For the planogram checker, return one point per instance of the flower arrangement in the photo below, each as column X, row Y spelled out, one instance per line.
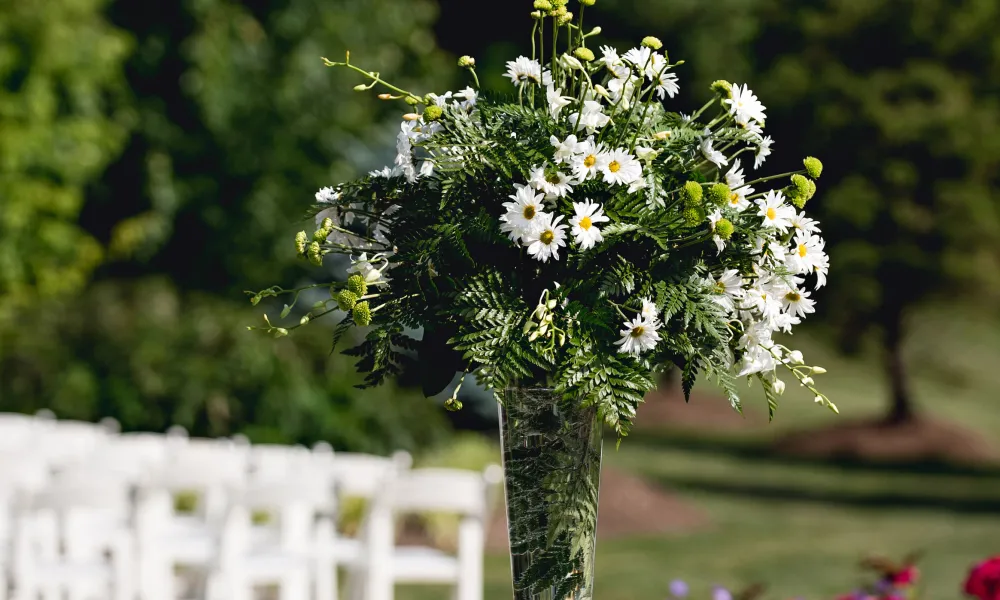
column 572, row 231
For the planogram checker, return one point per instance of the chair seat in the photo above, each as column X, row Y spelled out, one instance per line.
column 419, row 564
column 189, row 545
column 271, row 565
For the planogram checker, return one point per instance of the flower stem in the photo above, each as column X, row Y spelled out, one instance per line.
column 371, row 75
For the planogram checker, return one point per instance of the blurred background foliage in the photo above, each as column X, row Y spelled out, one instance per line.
column 156, row 159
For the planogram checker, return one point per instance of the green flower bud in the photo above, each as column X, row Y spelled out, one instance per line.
column 652, row 42
column 723, row 88
column 360, row 87
column 466, row 62
column 433, row 112
column 346, row 300
column 813, row 166
column 320, row 235
column 564, row 18
column 536, row 14
column 453, row 404
column 327, row 223
column 559, row 3
column 693, row 215
column 357, row 285
column 718, row 194
column 301, row 239
column 587, row 2
column 543, row 5
column 315, row 254
column 412, row 101
column 812, row 190
column 801, row 184
column 362, row 314
column 584, row 54
column 797, row 200
column 693, row 192
column 724, row 228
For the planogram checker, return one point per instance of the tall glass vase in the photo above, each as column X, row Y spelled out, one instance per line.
column 552, row 474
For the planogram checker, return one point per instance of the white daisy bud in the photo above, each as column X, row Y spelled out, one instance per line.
column 411, row 117
column 795, row 357
column 779, row 387
column 807, row 381
column 819, row 370
column 818, row 399
column 533, row 336
column 571, row 62
column 551, row 303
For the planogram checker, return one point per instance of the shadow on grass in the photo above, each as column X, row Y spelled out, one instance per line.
column 758, row 449
column 880, row 499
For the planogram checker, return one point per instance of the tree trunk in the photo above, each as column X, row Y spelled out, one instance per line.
column 902, row 402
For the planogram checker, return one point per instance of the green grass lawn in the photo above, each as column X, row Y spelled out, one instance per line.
column 800, row 526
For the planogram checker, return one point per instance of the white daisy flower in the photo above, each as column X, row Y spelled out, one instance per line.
column 765, row 300
column 714, row 218
column 797, row 302
column 744, row 105
column 755, row 130
column 613, row 62
column 774, row 211
column 638, row 336
column 524, row 214
column 638, row 184
column 554, row 184
column 469, row 98
column 727, row 289
column 386, row 172
column 657, row 72
column 710, row 153
column 763, row 151
column 821, row 269
column 585, row 231
column 586, row 164
column 807, row 252
column 566, row 149
column 620, row 167
column 591, row 117
column 426, row 168
column 738, row 192
column 649, row 311
column 556, row 100
column 623, row 90
column 366, row 268
column 804, row 224
column 327, row 195
column 524, row 70
column 544, row 242
column 640, row 58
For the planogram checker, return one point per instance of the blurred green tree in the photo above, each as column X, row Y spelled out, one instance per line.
column 64, row 115
column 236, row 124
column 900, row 100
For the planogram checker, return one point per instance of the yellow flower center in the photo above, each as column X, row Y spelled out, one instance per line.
column 585, row 223
column 771, row 214
column 734, row 198
column 802, row 250
column 614, row 167
column 590, row 161
column 547, row 237
column 529, row 212
column 793, row 296
column 720, row 288
column 638, row 331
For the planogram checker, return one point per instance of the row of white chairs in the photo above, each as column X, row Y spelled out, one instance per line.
column 87, row 513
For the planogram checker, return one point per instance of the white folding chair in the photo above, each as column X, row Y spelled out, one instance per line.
column 291, row 553
column 209, row 471
column 71, row 541
column 16, row 431
column 21, row 476
column 464, row 493
column 65, row 443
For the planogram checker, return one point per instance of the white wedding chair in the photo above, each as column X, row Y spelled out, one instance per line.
column 207, row 471
column 16, row 431
column 71, row 541
column 465, row 493
column 288, row 550
column 66, row 443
